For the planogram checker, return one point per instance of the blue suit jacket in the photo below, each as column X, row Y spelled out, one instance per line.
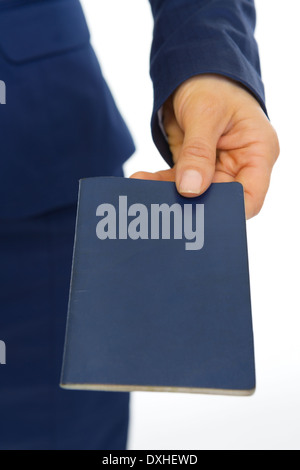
column 60, row 122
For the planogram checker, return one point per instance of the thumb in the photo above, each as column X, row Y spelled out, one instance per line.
column 196, row 162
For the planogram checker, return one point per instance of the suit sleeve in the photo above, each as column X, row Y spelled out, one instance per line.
column 192, row 37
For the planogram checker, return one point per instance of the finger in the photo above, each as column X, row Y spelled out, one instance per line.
column 256, row 181
column 163, row 175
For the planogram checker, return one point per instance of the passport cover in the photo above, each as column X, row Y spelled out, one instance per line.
column 150, row 308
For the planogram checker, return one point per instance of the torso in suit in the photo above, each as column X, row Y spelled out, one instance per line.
column 60, row 124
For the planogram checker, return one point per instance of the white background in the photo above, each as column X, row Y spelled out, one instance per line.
column 121, row 35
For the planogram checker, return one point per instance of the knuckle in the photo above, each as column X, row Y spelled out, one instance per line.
column 199, row 151
column 256, row 209
column 276, row 145
column 271, row 143
column 254, row 203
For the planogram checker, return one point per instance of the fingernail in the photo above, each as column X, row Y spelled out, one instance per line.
column 191, row 182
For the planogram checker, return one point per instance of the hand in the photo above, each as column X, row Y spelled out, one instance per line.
column 217, row 132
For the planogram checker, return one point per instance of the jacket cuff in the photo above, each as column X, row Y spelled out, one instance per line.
column 176, row 65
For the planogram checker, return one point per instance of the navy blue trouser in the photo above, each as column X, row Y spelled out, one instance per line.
column 35, row 264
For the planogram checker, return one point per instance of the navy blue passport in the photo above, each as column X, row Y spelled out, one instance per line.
column 160, row 296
